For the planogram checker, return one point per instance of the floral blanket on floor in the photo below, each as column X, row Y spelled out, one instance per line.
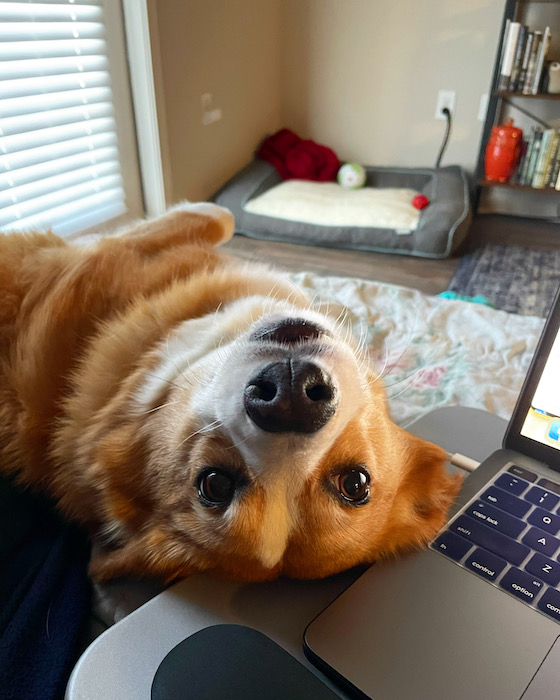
column 433, row 352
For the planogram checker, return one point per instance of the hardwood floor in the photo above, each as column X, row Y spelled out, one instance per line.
column 428, row 276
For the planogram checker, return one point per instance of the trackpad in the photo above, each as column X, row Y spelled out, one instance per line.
column 546, row 681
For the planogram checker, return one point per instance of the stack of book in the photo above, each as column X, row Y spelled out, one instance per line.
column 539, row 166
column 523, row 58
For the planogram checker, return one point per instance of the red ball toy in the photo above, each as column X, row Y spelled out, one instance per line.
column 420, row 201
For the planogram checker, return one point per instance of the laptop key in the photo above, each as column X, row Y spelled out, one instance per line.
column 506, row 501
column 549, row 603
column 495, row 542
column 541, row 497
column 541, row 541
column 544, row 568
column 497, row 519
column 521, row 584
column 485, row 564
column 545, row 520
column 511, row 484
column 522, row 472
column 549, row 485
column 452, row 545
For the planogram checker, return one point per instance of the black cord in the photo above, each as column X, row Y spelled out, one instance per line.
column 446, row 137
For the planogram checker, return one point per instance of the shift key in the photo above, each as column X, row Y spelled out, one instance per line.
column 493, row 541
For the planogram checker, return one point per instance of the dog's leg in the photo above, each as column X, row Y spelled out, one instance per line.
column 201, row 222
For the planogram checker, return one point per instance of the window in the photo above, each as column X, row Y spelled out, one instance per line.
column 67, row 143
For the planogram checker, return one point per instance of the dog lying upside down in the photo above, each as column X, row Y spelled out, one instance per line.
column 195, row 413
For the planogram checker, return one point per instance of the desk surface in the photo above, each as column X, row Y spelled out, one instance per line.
column 121, row 663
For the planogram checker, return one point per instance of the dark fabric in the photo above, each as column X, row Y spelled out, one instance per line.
column 296, row 158
column 44, row 596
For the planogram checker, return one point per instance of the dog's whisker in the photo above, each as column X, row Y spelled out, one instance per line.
column 205, row 429
column 237, row 444
column 408, row 341
column 406, row 388
column 163, row 379
column 418, row 369
column 179, row 370
column 163, row 405
column 381, row 373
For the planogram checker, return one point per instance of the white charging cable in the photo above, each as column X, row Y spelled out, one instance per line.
column 459, row 460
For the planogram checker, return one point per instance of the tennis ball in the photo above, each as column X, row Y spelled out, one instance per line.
column 352, row 176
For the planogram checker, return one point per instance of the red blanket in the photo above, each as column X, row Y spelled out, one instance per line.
column 296, row 158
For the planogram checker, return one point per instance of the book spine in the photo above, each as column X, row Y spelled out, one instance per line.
column 543, row 51
column 534, row 157
column 555, row 167
column 503, row 49
column 518, row 58
column 509, row 55
column 525, row 63
column 531, row 67
column 519, row 170
column 528, row 156
column 557, row 186
column 551, row 159
column 540, row 165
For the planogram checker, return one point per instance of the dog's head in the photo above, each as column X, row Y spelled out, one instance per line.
column 259, row 443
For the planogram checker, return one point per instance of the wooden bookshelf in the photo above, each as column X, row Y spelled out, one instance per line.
column 512, row 186
column 535, row 109
column 539, row 96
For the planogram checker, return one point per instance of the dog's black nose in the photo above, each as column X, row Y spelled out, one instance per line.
column 291, row 396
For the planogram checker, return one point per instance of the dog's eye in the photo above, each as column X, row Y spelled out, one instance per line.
column 216, row 487
column 353, row 485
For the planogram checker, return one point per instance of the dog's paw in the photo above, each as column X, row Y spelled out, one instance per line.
column 216, row 212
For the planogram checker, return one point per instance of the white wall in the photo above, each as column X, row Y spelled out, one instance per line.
column 231, row 49
column 363, row 75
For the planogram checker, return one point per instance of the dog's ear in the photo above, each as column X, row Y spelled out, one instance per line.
column 118, row 474
column 149, row 555
column 426, row 492
column 138, row 546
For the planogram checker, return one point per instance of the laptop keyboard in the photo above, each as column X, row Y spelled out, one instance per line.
column 510, row 535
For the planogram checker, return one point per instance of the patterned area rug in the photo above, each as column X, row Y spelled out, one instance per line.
column 515, row 279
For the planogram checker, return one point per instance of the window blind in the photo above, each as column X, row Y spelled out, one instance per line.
column 59, row 154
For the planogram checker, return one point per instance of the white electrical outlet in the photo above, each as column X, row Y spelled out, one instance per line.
column 445, row 98
column 211, row 116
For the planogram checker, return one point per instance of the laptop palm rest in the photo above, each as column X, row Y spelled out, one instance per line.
column 425, row 629
column 546, row 682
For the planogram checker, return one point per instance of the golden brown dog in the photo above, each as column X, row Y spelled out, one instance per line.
column 195, row 413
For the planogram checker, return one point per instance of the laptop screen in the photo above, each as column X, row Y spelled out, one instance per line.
column 534, row 428
column 542, row 422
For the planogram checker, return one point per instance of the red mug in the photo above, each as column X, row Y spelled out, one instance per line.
column 503, row 152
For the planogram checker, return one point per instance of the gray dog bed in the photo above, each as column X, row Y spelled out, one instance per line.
column 442, row 226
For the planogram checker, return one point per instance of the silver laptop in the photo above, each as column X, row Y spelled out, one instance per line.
column 477, row 615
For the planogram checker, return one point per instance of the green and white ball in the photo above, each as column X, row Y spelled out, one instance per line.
column 352, row 176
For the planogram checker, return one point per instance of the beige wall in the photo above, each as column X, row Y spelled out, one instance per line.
column 361, row 76
column 231, row 49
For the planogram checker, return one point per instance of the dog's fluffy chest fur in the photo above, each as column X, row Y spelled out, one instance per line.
column 196, row 413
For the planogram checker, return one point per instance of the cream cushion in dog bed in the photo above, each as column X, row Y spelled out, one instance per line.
column 329, row 204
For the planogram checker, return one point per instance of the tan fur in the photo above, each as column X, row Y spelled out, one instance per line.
column 88, row 415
